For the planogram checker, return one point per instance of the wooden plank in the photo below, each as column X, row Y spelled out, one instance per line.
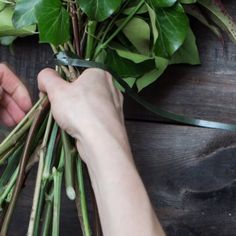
column 189, row 174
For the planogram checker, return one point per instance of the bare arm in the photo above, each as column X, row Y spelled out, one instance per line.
column 90, row 109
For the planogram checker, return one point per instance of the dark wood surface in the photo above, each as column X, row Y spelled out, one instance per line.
column 189, row 172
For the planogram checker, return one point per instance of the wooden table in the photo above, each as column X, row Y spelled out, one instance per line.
column 189, row 172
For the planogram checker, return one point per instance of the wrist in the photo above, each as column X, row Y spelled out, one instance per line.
column 101, row 147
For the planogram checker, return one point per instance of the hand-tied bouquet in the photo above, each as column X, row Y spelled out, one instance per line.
column 138, row 39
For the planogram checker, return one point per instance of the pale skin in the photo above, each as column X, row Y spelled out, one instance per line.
column 91, row 110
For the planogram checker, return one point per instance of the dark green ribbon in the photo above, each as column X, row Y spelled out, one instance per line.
column 66, row 59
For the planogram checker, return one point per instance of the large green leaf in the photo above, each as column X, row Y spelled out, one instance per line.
column 153, row 21
column 53, row 22
column 173, row 28
column 163, row 3
column 99, row 10
column 7, row 28
column 188, row 52
column 138, row 32
column 134, row 57
column 151, row 76
column 127, row 68
column 24, row 13
column 130, row 81
column 220, row 16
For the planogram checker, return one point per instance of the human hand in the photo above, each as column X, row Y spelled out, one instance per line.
column 87, row 107
column 14, row 97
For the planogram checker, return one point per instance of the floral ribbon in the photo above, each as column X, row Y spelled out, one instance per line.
column 65, row 58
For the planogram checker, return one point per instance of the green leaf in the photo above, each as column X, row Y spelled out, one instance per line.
column 188, row 53
column 220, row 16
column 53, row 22
column 152, row 75
column 138, row 32
column 7, row 40
column 173, row 28
column 153, row 20
column 134, row 57
column 126, row 68
column 99, row 10
column 24, row 13
column 163, row 3
column 7, row 28
column 130, row 81
column 194, row 11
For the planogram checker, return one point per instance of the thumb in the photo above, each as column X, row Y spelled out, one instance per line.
column 49, row 81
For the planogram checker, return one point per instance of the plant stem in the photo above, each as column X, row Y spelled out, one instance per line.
column 83, row 205
column 121, row 27
column 71, row 47
column 4, row 158
column 11, row 166
column 75, row 27
column 91, row 29
column 69, row 160
column 49, row 155
column 21, row 128
column 9, row 186
column 48, row 213
column 39, row 176
column 23, row 163
column 57, row 181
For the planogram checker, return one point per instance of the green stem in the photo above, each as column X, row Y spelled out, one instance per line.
column 49, row 155
column 91, row 29
column 82, row 197
column 23, row 163
column 48, row 214
column 34, row 217
column 121, row 27
column 57, row 180
column 69, row 164
column 8, row 154
column 9, row 186
column 21, row 128
column 11, row 166
column 71, row 46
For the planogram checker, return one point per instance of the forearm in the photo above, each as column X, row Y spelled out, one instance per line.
column 123, row 203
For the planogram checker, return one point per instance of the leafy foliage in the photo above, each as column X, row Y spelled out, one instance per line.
column 99, row 10
column 127, row 32
column 24, row 13
column 53, row 22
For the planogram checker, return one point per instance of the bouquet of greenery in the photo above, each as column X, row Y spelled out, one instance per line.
column 136, row 39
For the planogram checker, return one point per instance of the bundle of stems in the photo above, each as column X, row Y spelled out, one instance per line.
column 37, row 138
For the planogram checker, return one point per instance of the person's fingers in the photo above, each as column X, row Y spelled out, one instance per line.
column 6, row 118
column 50, row 82
column 12, row 108
column 11, row 84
